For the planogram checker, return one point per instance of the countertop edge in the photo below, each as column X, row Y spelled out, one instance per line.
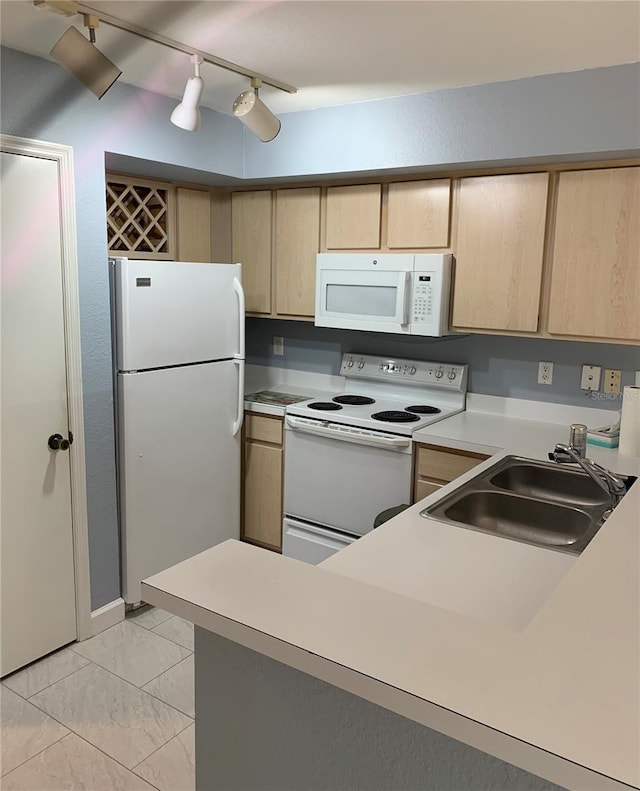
column 503, row 746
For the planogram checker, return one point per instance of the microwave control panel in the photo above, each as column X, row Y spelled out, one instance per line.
column 422, row 299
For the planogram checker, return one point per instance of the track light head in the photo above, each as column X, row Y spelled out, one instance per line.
column 84, row 61
column 255, row 114
column 187, row 113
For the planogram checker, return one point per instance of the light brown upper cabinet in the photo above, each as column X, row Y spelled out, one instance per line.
column 193, row 225
column 251, row 246
column 499, row 250
column 418, row 214
column 595, row 275
column 353, row 217
column 297, row 243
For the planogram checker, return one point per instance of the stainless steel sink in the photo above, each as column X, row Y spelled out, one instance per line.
column 533, row 521
column 530, row 501
column 549, row 482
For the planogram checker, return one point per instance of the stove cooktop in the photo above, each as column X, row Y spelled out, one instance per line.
column 391, row 396
column 396, row 416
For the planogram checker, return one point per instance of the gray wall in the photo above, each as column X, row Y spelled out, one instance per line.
column 262, row 726
column 582, row 115
column 585, row 113
column 502, row 366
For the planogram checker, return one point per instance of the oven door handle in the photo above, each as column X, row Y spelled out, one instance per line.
column 343, row 434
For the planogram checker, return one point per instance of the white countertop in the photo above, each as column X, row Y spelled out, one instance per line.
column 531, row 655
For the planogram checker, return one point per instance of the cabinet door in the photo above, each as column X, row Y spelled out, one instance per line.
column 353, row 217
column 595, row 275
column 418, row 214
column 251, row 246
column 435, row 466
column 297, row 243
column 499, row 249
column 263, row 494
column 194, row 225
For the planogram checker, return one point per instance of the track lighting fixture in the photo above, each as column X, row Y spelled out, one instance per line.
column 255, row 114
column 83, row 60
column 187, row 113
column 86, row 63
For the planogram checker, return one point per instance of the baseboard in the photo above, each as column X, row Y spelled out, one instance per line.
column 107, row 616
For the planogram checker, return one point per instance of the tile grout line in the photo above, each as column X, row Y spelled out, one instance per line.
column 150, row 628
column 172, row 706
column 193, row 722
column 109, row 670
column 35, row 755
column 32, row 664
column 171, row 638
column 71, row 730
column 184, row 658
column 62, row 678
column 95, row 747
column 115, row 760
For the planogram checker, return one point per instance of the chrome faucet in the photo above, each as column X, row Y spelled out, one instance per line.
column 615, row 486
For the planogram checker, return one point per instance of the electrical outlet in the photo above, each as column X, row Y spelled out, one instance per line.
column 545, row 373
column 278, row 345
column 612, row 379
column 590, row 377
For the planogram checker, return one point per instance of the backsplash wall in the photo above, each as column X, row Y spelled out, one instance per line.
column 498, row 365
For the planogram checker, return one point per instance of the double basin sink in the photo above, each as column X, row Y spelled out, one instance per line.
column 531, row 501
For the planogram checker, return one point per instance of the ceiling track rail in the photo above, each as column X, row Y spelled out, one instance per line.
column 72, row 8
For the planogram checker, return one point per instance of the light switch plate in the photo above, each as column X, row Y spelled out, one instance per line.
column 590, row 377
column 612, row 380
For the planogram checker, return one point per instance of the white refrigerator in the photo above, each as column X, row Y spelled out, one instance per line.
column 179, row 342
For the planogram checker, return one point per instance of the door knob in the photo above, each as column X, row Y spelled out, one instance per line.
column 58, row 442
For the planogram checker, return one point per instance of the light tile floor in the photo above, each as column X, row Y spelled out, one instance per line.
column 114, row 713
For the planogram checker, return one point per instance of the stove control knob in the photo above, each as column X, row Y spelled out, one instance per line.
column 451, row 375
column 349, row 363
column 412, row 370
column 439, row 373
column 361, row 364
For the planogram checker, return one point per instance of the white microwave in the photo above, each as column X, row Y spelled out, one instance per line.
column 405, row 293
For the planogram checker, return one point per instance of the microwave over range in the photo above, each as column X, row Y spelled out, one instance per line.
column 404, row 293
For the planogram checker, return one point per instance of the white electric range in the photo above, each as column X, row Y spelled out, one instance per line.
column 348, row 458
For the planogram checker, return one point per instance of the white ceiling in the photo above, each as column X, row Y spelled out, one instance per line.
column 343, row 51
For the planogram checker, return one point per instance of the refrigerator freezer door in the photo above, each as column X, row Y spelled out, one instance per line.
column 179, row 466
column 171, row 313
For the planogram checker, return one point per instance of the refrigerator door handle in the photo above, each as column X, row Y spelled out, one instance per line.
column 237, row 423
column 237, row 287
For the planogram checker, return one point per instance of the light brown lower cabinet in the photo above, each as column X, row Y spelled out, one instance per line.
column 262, row 481
column 434, row 466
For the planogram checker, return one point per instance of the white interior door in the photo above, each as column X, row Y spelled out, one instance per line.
column 36, row 544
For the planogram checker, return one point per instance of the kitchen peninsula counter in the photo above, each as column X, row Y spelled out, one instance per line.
column 549, row 683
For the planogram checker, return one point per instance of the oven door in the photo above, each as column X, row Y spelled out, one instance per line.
column 342, row 478
column 359, row 299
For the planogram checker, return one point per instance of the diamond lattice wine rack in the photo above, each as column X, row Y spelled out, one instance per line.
column 139, row 218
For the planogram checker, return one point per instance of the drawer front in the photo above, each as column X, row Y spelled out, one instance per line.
column 263, row 429
column 425, row 488
column 441, row 465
